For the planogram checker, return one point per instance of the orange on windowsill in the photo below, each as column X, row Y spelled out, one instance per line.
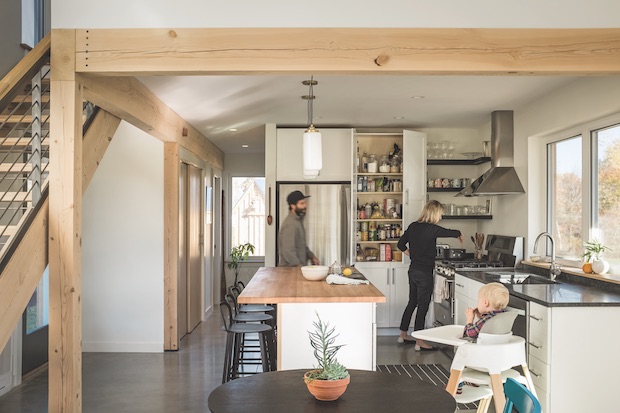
column 587, row 268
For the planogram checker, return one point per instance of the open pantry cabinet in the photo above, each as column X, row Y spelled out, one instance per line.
column 388, row 193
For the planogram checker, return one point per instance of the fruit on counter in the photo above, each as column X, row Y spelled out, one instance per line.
column 346, row 272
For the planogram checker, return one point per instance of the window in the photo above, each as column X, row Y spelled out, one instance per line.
column 248, row 213
column 584, row 189
column 565, row 196
column 606, row 190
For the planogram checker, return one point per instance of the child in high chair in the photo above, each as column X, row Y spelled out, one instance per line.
column 492, row 300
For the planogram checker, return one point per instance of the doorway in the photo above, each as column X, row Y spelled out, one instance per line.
column 191, row 235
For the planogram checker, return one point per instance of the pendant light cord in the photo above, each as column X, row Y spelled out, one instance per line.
column 310, row 100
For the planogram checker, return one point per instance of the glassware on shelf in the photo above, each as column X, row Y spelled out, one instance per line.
column 384, row 164
column 373, row 166
column 396, row 163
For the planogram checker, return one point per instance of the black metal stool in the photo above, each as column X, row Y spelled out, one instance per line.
column 235, row 334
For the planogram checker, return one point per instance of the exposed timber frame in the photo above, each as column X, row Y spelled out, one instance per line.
column 106, row 57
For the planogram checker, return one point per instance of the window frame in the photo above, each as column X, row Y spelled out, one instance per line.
column 252, row 258
column 589, row 160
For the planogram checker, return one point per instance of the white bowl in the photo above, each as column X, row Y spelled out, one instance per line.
column 315, row 272
column 534, row 258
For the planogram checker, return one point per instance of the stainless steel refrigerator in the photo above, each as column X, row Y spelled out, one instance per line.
column 327, row 221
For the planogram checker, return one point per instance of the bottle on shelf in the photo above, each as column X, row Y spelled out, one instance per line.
column 364, row 163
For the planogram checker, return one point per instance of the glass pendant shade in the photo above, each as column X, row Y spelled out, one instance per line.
column 312, row 152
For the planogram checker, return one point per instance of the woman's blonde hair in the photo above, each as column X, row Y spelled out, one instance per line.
column 432, row 212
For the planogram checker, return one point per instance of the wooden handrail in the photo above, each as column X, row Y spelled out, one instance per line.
column 25, row 68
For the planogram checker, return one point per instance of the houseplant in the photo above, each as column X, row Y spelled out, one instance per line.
column 239, row 254
column 329, row 379
column 593, row 251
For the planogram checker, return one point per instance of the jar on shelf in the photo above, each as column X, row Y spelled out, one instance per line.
column 395, row 164
column 384, row 164
column 373, row 166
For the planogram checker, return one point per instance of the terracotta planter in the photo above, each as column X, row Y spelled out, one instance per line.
column 587, row 268
column 327, row 390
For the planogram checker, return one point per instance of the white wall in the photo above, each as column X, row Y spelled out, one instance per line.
column 123, row 246
column 327, row 13
column 587, row 99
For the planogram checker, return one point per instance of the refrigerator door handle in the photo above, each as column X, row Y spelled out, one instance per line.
column 387, row 273
column 393, row 277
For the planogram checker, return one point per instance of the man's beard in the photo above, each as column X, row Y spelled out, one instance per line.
column 300, row 212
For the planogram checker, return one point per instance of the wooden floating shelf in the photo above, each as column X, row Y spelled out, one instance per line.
column 476, row 161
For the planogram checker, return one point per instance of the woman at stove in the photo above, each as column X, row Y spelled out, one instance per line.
column 419, row 242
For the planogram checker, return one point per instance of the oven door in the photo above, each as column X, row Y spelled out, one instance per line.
column 444, row 309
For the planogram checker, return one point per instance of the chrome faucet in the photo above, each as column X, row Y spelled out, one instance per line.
column 554, row 269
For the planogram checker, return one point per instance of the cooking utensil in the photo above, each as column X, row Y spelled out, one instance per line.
column 269, row 217
column 454, row 253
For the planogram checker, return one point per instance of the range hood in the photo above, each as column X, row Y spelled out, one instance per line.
column 501, row 179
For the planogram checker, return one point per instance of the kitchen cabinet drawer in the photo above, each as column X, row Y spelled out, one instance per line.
column 540, row 372
column 543, row 398
column 539, row 341
column 461, row 285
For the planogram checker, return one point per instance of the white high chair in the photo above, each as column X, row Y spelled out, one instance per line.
column 496, row 359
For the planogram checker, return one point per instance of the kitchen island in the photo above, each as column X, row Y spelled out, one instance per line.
column 351, row 309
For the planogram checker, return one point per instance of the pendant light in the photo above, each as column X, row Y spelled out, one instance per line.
column 312, row 148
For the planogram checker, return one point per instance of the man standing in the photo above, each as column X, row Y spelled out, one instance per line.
column 292, row 240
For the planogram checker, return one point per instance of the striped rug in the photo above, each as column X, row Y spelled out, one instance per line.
column 432, row 373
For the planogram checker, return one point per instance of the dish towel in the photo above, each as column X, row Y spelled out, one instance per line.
column 339, row 279
column 441, row 289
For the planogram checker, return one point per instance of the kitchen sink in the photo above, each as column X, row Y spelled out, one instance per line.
column 522, row 278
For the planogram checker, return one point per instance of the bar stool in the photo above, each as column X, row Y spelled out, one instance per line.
column 254, row 342
column 250, row 308
column 235, row 334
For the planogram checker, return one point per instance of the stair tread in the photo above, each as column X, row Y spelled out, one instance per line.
column 19, row 167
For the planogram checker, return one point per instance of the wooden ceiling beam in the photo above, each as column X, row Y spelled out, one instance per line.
column 419, row 51
column 130, row 100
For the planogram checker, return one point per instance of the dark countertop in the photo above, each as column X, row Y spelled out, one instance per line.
column 566, row 293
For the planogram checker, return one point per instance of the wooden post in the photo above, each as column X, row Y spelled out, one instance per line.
column 171, row 245
column 65, row 229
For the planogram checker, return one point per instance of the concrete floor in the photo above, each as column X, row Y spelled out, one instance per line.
column 169, row 382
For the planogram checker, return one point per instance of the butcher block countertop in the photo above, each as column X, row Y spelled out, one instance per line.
column 286, row 285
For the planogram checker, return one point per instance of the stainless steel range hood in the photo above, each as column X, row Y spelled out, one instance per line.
column 501, row 179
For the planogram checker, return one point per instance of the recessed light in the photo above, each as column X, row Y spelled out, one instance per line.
column 417, row 97
column 399, row 117
column 245, row 146
column 232, row 130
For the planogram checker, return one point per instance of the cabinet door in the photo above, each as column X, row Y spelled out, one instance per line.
column 414, row 174
column 381, row 277
column 461, row 303
column 399, row 279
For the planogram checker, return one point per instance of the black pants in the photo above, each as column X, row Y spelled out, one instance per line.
column 420, row 291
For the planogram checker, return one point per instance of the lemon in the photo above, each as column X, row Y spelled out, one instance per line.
column 347, row 271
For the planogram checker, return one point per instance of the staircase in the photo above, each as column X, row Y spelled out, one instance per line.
column 24, row 171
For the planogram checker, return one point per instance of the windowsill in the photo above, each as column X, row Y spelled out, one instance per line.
column 576, row 271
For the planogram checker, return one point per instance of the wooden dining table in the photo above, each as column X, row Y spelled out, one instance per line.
column 369, row 391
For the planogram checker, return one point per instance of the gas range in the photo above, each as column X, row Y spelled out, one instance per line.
column 504, row 252
column 449, row 267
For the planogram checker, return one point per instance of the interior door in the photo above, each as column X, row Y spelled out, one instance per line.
column 194, row 248
column 182, row 281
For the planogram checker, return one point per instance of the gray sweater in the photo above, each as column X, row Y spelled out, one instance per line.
column 292, row 242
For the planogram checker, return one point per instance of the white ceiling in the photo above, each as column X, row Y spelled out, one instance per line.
column 214, row 104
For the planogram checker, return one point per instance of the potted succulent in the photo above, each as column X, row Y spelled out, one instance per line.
column 239, row 254
column 329, row 379
column 593, row 251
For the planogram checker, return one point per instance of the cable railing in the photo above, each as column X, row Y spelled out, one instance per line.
column 24, row 145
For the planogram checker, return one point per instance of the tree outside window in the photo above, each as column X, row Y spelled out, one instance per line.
column 248, row 213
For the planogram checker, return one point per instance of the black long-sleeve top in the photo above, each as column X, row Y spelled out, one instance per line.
column 421, row 238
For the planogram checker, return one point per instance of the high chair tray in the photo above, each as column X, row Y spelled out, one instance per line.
column 451, row 335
